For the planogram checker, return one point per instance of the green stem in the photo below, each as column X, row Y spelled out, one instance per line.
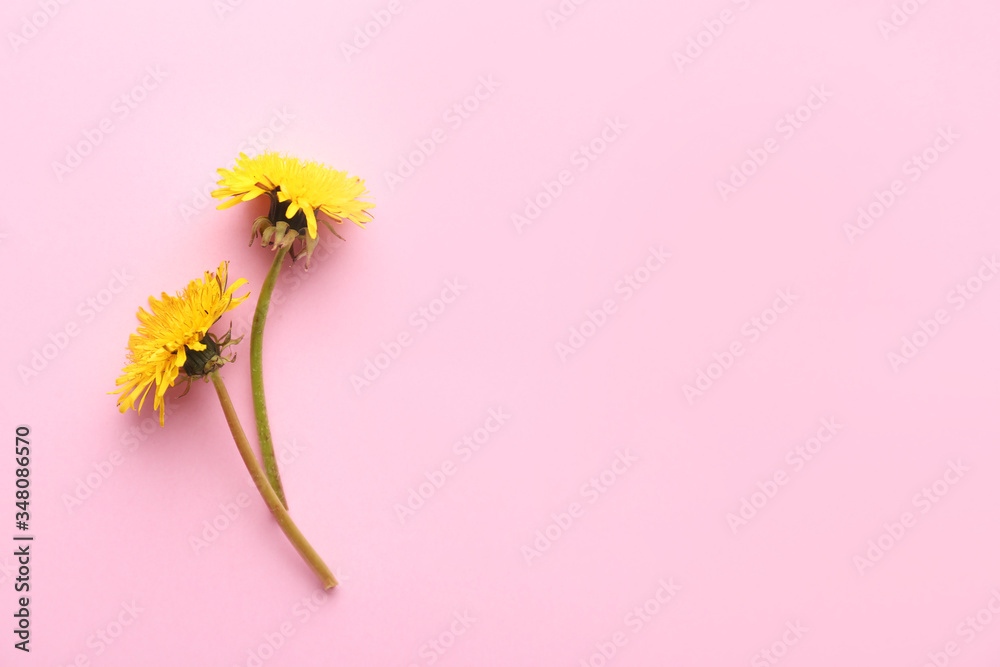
column 288, row 526
column 257, row 376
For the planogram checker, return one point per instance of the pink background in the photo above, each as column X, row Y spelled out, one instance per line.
column 117, row 501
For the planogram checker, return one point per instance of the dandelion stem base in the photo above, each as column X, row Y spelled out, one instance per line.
column 288, row 526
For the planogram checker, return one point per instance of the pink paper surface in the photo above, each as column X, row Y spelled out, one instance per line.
column 673, row 340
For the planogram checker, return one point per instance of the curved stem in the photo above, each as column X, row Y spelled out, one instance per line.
column 288, row 526
column 257, row 376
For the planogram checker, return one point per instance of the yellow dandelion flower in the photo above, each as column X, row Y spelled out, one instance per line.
column 298, row 189
column 173, row 337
